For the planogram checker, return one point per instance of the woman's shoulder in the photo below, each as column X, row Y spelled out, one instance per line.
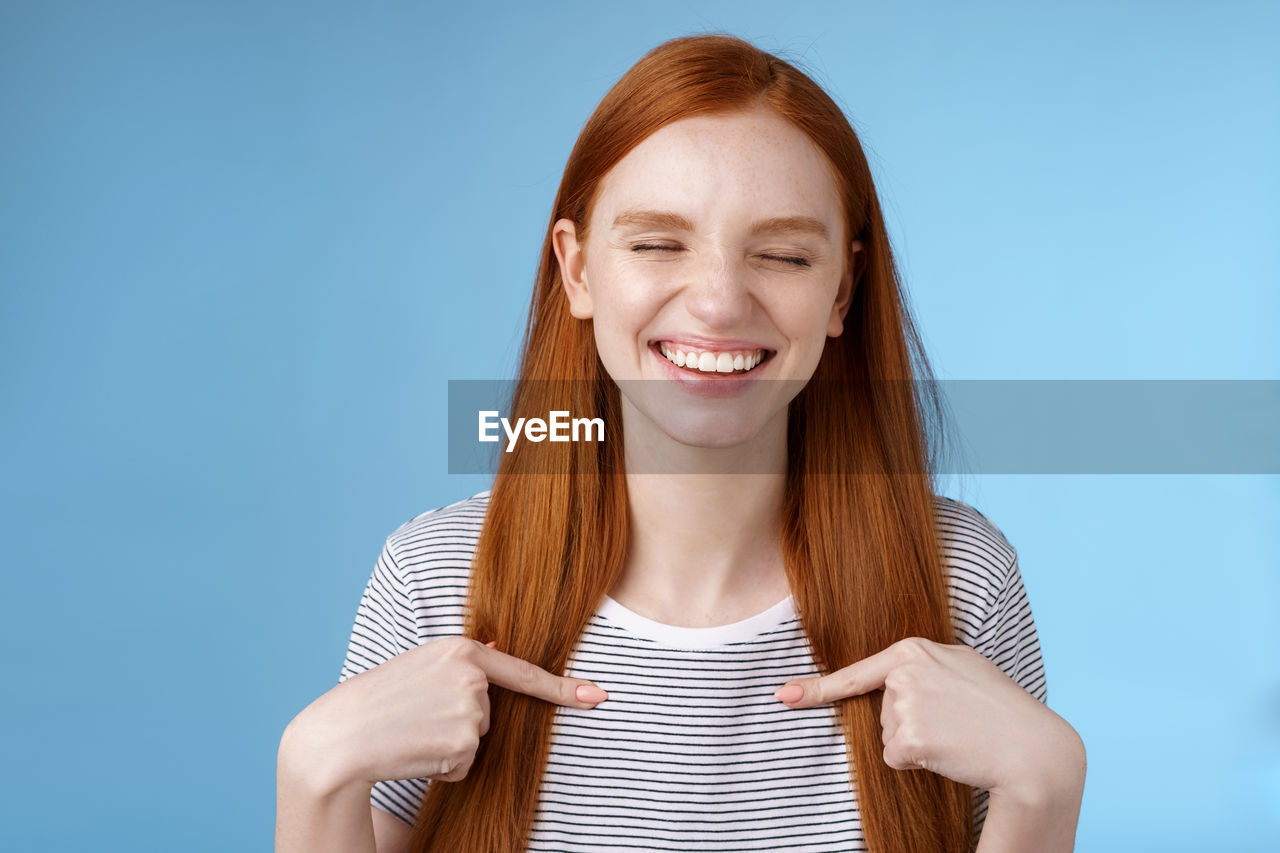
column 979, row 559
column 438, row 545
column 460, row 518
column 972, row 538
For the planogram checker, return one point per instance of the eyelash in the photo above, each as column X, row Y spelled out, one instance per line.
column 788, row 259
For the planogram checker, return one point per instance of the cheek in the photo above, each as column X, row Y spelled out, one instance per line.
column 622, row 308
column 805, row 322
column 627, row 300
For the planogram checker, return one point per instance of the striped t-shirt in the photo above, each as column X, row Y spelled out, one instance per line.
column 691, row 751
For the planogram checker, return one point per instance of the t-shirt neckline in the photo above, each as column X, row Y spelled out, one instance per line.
column 682, row 637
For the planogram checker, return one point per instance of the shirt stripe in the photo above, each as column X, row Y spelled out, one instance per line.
column 691, row 752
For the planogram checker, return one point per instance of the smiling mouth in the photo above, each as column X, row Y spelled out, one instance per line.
column 710, row 363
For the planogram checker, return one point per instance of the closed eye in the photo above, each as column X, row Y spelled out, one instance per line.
column 800, row 262
column 786, row 259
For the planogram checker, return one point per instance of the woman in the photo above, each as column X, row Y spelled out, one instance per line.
column 623, row 644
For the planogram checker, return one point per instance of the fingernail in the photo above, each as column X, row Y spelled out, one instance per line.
column 492, row 643
column 790, row 693
column 591, row 694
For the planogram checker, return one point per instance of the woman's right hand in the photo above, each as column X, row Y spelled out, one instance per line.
column 420, row 714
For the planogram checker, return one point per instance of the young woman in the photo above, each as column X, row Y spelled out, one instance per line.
column 745, row 621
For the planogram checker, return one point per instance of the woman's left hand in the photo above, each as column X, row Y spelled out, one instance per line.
column 949, row 709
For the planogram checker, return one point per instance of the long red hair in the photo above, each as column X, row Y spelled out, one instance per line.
column 858, row 535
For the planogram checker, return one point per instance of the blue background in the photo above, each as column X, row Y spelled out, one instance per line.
column 244, row 245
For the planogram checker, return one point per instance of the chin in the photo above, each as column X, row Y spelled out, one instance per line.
column 713, row 433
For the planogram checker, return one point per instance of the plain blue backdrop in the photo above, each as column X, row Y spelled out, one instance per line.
column 243, row 247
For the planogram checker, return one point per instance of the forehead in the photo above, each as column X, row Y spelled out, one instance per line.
column 753, row 163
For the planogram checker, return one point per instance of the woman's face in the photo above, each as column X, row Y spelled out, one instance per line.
column 712, row 271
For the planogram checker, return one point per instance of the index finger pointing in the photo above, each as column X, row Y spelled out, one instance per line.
column 853, row 680
column 524, row 677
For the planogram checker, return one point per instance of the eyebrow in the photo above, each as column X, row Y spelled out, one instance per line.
column 675, row 222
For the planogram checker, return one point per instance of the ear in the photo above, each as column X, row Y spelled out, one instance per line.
column 844, row 296
column 573, row 267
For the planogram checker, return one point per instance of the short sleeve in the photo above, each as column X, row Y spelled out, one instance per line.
column 1008, row 639
column 385, row 627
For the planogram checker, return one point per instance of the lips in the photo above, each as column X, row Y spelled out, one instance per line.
column 713, row 382
column 705, row 356
column 705, row 360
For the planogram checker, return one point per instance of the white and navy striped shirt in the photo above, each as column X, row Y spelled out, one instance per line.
column 692, row 751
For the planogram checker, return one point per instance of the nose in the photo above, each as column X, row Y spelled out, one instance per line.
column 718, row 293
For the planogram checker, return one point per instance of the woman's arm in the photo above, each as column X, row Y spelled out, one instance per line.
column 393, row 835
column 1040, row 816
column 950, row 710
column 421, row 714
column 315, row 814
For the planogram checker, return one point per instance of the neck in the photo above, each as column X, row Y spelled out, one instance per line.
column 703, row 547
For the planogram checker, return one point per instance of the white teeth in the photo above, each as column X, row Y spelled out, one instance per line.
column 712, row 362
